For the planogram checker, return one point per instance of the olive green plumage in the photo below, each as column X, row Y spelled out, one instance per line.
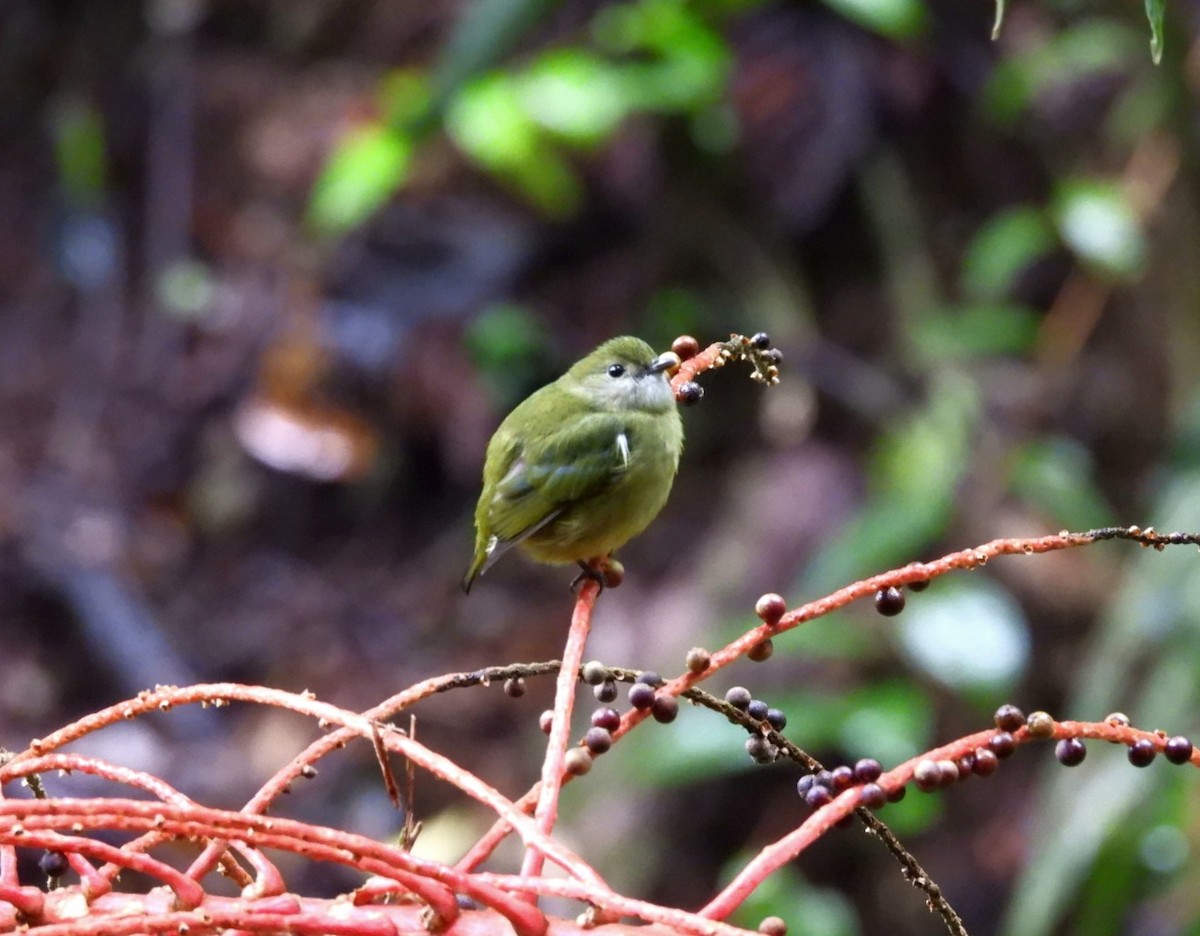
column 585, row 463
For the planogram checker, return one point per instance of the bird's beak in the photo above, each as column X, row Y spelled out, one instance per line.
column 668, row 361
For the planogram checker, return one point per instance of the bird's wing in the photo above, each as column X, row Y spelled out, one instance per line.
column 568, row 465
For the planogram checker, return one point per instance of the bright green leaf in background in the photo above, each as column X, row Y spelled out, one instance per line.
column 1058, row 476
column 892, row 19
column 969, row 635
column 1097, row 222
column 1155, row 10
column 1007, row 245
column 363, row 172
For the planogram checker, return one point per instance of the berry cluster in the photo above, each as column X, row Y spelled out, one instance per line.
column 758, row 746
column 817, row 789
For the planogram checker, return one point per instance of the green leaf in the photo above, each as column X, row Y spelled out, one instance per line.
column 364, row 171
column 969, row 636
column 80, row 150
column 975, row 330
column 1098, row 223
column 1154, row 12
column 1057, row 475
column 892, row 19
column 1004, row 248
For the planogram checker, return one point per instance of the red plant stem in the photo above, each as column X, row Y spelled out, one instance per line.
column 790, row 846
column 188, row 893
column 679, row 921
column 913, row 572
column 221, row 693
column 269, row 880
column 553, row 769
column 28, row 901
column 433, row 882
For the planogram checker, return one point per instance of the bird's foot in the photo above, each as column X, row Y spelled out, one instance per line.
column 605, row 571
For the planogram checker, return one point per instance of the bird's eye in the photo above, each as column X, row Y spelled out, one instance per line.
column 616, row 370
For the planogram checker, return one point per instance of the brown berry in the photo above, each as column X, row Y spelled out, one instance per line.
column 686, row 347
column 514, row 687
column 1070, row 751
column 697, row 660
column 545, row 720
column 889, row 601
column 1002, row 744
column 773, row 926
column 986, row 762
column 872, row 796
column 598, row 740
column 1009, row 718
column 927, row 775
column 665, row 709
column 1142, row 752
column 689, row 393
column 761, row 651
column 1178, row 750
column 770, row 607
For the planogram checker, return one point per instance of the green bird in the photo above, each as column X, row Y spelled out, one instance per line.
column 584, row 464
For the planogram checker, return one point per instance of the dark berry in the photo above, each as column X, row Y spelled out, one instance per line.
column 697, row 660
column 606, row 718
column 986, row 762
column 773, row 356
column 761, row 651
column 1040, row 725
column 761, row 340
column 894, row 796
column 918, row 586
column 949, row 772
column 598, row 740
column 927, row 775
column 757, row 709
column 577, row 762
column 771, row 608
column 1178, row 750
column 889, row 601
column 1002, row 744
column 761, row 750
column 665, row 709
column 1142, row 752
column 872, row 796
column 1009, row 718
column 965, row 765
column 776, row 719
column 689, row 393
column 773, row 926
column 641, row 696
column 818, row 796
column 53, row 864
column 739, row 697
column 514, row 688
column 594, row 673
column 867, row 770
column 686, row 347
column 1070, row 752
column 606, row 691
column 805, row 783
column 650, row 678
column 841, row 778
column 825, row 779
column 545, row 720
